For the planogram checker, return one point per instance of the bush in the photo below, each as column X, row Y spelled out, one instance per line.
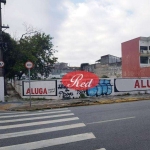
column 82, row 95
column 104, row 76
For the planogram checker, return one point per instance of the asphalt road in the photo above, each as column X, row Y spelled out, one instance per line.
column 122, row 126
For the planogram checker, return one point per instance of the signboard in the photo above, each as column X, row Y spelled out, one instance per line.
column 127, row 85
column 40, row 88
column 29, row 65
column 80, row 80
column 1, row 64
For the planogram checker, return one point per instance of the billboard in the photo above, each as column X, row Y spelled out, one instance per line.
column 40, row 88
column 129, row 84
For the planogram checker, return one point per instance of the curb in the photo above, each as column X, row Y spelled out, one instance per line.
column 73, row 104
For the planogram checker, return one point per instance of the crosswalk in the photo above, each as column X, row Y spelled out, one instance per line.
column 41, row 129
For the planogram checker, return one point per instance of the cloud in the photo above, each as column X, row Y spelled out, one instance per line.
column 83, row 30
column 95, row 28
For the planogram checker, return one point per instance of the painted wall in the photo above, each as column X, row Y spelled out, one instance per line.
column 131, row 59
column 2, row 89
column 54, row 89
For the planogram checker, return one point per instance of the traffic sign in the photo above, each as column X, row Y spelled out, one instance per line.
column 29, row 64
column 2, row 64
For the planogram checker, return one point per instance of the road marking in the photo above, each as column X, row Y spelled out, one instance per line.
column 38, row 131
column 37, row 123
column 101, row 149
column 50, row 142
column 111, row 120
column 35, row 118
column 35, row 114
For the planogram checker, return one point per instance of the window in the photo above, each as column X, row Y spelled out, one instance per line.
column 143, row 48
column 144, row 60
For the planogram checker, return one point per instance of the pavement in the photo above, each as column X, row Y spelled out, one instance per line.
column 13, row 102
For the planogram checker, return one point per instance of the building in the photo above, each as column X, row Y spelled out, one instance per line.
column 107, row 65
column 136, row 57
column 60, row 69
column 109, row 59
column 89, row 67
column 112, row 70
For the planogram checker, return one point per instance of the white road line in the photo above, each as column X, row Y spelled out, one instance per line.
column 37, row 123
column 38, row 131
column 28, row 112
column 101, row 149
column 50, row 142
column 111, row 120
column 35, row 114
column 35, row 118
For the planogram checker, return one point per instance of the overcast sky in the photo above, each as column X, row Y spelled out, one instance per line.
column 83, row 30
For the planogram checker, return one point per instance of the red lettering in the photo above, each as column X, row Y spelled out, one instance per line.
column 142, row 86
column 28, row 91
column 40, row 91
column 137, row 84
column 45, row 91
column 32, row 91
column 148, row 83
column 36, row 90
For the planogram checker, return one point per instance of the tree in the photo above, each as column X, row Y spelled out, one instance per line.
column 34, row 46
column 9, row 47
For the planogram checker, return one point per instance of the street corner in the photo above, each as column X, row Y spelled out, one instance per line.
column 5, row 106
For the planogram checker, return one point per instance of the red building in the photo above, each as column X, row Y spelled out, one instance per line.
column 136, row 57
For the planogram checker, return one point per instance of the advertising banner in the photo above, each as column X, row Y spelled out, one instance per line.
column 127, row 85
column 40, row 88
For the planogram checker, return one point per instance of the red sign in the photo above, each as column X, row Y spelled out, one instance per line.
column 1, row 64
column 80, row 80
column 29, row 65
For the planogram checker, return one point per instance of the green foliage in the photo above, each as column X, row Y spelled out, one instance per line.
column 82, row 95
column 104, row 76
column 36, row 47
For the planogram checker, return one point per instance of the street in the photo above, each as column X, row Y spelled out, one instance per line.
column 119, row 126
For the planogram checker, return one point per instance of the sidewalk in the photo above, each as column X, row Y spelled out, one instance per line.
column 15, row 103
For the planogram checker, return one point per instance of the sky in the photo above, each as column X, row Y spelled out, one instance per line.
column 82, row 30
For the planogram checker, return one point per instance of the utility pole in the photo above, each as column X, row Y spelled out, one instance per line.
column 1, row 55
column 1, row 40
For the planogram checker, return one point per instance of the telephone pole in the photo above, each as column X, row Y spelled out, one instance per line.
column 1, row 40
column 1, row 55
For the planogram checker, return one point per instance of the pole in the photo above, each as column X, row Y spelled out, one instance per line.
column 1, row 54
column 29, row 87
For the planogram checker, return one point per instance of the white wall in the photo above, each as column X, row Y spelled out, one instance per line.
column 2, row 89
column 54, row 89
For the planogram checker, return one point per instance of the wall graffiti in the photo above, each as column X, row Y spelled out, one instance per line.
column 64, row 92
column 104, row 87
column 110, row 86
column 80, row 92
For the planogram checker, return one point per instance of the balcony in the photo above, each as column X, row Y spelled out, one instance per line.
column 144, row 53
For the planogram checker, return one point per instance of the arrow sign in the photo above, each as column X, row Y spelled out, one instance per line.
column 2, row 64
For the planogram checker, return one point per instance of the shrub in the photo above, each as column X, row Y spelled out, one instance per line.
column 104, row 76
column 82, row 95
